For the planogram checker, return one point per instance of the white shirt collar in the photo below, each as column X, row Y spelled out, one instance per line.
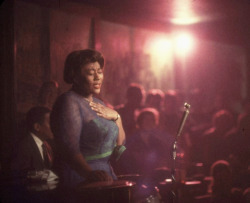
column 38, row 142
column 37, row 139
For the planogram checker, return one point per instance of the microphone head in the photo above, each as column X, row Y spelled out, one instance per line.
column 187, row 106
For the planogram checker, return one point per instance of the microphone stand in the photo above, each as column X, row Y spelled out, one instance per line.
column 174, row 149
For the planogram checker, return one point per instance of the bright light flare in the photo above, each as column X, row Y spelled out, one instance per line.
column 183, row 43
column 185, row 20
column 161, row 46
column 161, row 50
column 183, row 13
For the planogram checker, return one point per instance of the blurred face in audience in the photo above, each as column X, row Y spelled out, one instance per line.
column 148, row 122
column 43, row 129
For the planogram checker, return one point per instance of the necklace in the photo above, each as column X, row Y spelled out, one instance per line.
column 86, row 99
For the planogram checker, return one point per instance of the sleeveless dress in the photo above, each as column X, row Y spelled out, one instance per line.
column 77, row 128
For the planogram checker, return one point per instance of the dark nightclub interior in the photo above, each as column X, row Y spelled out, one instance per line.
column 158, row 55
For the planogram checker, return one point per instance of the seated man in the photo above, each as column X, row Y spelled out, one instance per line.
column 34, row 152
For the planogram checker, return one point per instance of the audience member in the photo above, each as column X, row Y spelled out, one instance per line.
column 154, row 99
column 46, row 97
column 237, row 144
column 148, row 148
column 134, row 96
column 171, row 115
column 34, row 152
column 198, row 122
column 221, row 189
column 48, row 94
column 200, row 112
column 213, row 139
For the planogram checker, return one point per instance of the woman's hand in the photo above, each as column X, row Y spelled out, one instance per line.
column 103, row 111
column 112, row 115
column 98, row 175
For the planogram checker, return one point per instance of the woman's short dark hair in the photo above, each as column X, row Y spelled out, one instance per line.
column 77, row 59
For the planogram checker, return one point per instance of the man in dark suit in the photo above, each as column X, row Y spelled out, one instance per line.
column 34, row 152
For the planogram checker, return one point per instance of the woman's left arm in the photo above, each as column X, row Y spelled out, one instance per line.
column 121, row 137
column 112, row 115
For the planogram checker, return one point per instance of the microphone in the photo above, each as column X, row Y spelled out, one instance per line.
column 184, row 118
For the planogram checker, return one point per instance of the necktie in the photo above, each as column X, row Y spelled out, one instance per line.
column 47, row 155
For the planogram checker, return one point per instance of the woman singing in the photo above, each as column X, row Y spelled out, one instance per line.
column 86, row 131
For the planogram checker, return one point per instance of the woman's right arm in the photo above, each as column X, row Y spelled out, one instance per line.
column 85, row 171
column 80, row 165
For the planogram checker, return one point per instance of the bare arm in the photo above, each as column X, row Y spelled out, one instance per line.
column 83, row 169
column 80, row 164
column 121, row 135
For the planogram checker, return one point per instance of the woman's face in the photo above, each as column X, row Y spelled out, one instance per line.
column 90, row 78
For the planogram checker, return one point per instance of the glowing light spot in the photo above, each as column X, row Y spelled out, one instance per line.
column 193, row 182
column 161, row 46
column 161, row 50
column 168, row 180
column 183, row 43
column 185, row 20
column 183, row 13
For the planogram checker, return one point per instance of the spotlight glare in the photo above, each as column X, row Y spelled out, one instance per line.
column 161, row 46
column 183, row 43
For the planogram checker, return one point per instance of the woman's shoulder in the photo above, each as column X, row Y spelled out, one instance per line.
column 69, row 100
column 69, row 96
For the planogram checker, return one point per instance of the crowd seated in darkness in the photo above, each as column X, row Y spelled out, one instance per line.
column 208, row 136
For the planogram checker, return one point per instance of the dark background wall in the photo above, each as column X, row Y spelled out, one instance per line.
column 36, row 38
